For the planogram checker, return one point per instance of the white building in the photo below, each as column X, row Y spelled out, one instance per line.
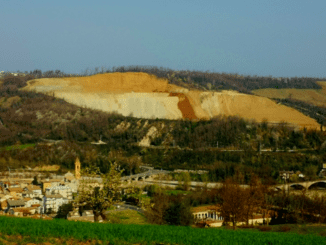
column 53, row 202
column 65, row 191
column 29, row 202
column 36, row 190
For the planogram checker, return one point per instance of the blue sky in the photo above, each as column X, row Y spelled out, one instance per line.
column 252, row 37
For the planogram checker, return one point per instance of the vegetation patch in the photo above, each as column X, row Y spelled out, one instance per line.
column 126, row 217
column 145, row 234
column 17, row 147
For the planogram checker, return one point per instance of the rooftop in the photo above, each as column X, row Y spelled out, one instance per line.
column 204, row 208
column 58, row 188
column 33, row 187
column 19, row 202
column 15, row 189
column 51, row 180
column 54, row 196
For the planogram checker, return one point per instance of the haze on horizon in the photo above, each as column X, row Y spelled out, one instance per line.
column 254, row 37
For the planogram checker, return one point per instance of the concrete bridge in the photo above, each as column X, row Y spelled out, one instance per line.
column 308, row 185
column 148, row 175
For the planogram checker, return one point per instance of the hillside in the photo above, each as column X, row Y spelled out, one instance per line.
column 39, row 129
column 145, row 96
column 312, row 96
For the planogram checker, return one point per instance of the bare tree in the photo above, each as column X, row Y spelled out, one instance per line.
column 233, row 206
column 254, row 198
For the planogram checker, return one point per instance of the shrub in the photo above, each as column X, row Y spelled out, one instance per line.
column 284, row 228
column 264, row 228
column 247, row 226
column 323, row 233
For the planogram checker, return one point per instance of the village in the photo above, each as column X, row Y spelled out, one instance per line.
column 42, row 196
column 38, row 197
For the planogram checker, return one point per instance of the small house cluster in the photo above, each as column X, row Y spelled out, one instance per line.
column 28, row 197
column 24, row 197
column 210, row 216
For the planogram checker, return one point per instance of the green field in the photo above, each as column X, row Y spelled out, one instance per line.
column 41, row 230
column 126, row 217
column 17, row 147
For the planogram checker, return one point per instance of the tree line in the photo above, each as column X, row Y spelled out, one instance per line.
column 223, row 81
column 197, row 79
column 316, row 112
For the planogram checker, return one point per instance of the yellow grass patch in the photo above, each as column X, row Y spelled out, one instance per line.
column 47, row 168
column 313, row 96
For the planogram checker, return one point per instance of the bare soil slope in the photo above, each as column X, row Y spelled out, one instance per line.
column 314, row 96
column 145, row 96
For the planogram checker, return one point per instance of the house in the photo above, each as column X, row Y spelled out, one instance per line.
column 322, row 172
column 65, row 191
column 15, row 204
column 53, row 202
column 10, row 184
column 36, row 204
column 36, row 190
column 286, row 174
column 15, row 191
column 29, row 194
column 208, row 213
column 20, row 212
column 299, row 174
column 29, row 202
column 69, row 177
column 25, row 183
column 210, row 216
column 73, row 214
column 50, row 183
column 73, row 185
column 3, row 200
column 87, row 215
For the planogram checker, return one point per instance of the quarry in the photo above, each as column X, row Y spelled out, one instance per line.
column 142, row 95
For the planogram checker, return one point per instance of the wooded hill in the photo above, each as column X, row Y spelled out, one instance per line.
column 29, row 118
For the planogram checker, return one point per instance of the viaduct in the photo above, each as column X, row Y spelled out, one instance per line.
column 302, row 185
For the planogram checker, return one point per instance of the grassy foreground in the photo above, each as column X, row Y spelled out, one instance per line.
column 41, row 230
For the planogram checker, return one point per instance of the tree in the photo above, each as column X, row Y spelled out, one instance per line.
column 179, row 212
column 233, row 206
column 64, row 210
column 35, row 181
column 155, row 212
column 37, row 73
column 57, row 72
column 311, row 172
column 254, row 198
column 99, row 191
column 184, row 181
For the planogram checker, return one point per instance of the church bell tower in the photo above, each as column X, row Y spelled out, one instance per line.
column 77, row 168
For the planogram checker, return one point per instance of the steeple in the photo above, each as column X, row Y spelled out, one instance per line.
column 77, row 168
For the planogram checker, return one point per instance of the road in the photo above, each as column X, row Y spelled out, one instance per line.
column 192, row 184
